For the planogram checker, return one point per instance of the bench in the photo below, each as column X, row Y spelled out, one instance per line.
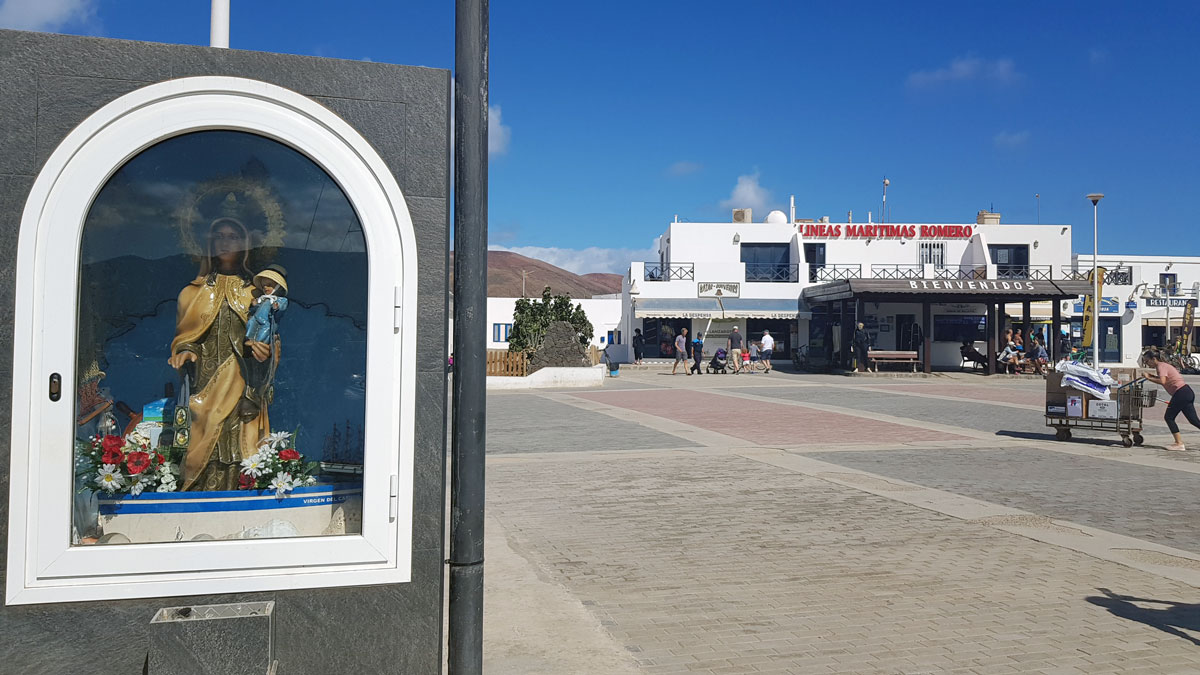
column 894, row 357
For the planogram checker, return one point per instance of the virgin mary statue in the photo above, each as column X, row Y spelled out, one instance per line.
column 210, row 332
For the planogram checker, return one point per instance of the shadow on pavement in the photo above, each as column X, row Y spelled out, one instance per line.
column 1170, row 619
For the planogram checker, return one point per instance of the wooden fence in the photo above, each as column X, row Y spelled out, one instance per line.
column 505, row 363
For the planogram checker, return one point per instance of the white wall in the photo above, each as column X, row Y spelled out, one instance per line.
column 604, row 313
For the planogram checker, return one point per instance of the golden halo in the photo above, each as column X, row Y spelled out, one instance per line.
column 263, row 196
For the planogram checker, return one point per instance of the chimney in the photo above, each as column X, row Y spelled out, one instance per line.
column 985, row 217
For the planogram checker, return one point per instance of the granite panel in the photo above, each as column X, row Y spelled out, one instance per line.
column 427, row 167
column 386, row 122
column 364, row 629
column 430, row 226
column 18, row 105
column 103, row 58
column 13, row 192
column 429, row 461
column 311, row 75
column 63, row 101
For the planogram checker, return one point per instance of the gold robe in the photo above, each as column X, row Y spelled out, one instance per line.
column 211, row 323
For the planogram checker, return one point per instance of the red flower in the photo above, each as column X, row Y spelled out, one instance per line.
column 158, row 458
column 246, row 481
column 111, row 446
column 289, row 454
column 137, row 462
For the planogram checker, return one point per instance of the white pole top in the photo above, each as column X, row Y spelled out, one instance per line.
column 219, row 27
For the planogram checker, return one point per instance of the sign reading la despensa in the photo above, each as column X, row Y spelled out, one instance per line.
column 1089, row 307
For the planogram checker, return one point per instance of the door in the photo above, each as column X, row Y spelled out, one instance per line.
column 908, row 337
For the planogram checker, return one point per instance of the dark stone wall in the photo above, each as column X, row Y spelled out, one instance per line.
column 50, row 83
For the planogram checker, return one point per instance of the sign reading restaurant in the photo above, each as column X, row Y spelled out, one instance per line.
column 880, row 231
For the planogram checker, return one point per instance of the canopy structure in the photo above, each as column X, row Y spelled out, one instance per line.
column 712, row 308
column 849, row 295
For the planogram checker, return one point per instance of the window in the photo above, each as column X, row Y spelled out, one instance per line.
column 1010, row 258
column 1110, row 339
column 953, row 328
column 932, row 253
column 814, row 255
column 500, row 332
column 1170, row 283
column 222, row 246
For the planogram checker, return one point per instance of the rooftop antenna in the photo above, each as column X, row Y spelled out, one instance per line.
column 793, row 211
column 1038, row 197
column 218, row 35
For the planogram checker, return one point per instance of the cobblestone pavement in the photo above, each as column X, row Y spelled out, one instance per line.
column 752, row 550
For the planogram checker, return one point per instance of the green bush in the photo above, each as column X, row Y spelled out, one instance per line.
column 532, row 316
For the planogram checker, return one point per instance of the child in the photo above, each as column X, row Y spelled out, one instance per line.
column 272, row 283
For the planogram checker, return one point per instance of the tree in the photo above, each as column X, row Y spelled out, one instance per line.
column 531, row 317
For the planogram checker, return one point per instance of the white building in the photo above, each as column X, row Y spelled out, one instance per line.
column 916, row 286
column 603, row 311
column 1158, row 290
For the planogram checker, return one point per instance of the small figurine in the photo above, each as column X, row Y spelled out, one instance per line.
column 261, row 340
column 272, row 283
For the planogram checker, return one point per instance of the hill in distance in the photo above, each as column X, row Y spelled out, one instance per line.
column 504, row 278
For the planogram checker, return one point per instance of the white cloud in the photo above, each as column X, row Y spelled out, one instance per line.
column 967, row 69
column 1010, row 139
column 498, row 133
column 45, row 15
column 585, row 260
column 683, row 168
column 748, row 194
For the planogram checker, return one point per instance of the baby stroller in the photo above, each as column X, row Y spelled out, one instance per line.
column 717, row 364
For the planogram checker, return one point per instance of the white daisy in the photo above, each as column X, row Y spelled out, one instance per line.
column 282, row 482
column 254, row 465
column 136, row 488
column 110, row 478
column 167, row 487
column 278, row 438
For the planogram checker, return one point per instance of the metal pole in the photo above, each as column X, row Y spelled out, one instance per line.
column 467, row 438
column 218, row 30
column 1096, row 284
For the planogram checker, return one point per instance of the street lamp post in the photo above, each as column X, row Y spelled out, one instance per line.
column 1095, row 199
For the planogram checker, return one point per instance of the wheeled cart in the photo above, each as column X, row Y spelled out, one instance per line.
column 1131, row 399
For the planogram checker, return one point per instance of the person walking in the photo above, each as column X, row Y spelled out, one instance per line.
column 639, row 346
column 768, row 347
column 861, row 343
column 697, row 353
column 734, row 346
column 1183, row 399
column 681, row 352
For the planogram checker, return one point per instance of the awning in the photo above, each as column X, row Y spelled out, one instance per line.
column 1176, row 322
column 944, row 290
column 710, row 308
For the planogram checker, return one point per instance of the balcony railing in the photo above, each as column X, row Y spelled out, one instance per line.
column 778, row 273
column 670, row 272
column 1024, row 272
column 898, row 271
column 834, row 272
column 961, row 272
column 1113, row 276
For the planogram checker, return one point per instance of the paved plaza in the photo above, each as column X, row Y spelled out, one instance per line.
column 790, row 523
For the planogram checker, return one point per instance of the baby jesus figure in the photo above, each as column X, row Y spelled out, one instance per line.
column 262, row 339
column 261, row 325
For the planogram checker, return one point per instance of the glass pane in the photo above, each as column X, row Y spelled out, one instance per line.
column 221, row 348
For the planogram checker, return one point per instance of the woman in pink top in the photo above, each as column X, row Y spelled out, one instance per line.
column 1183, row 400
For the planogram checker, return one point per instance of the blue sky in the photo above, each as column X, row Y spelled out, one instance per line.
column 611, row 118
